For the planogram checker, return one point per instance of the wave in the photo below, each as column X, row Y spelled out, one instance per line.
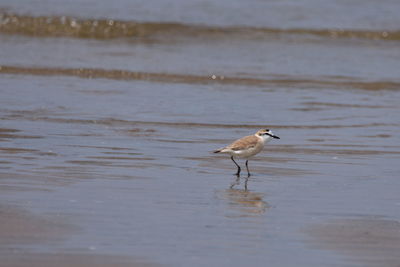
column 66, row 26
column 281, row 81
column 28, row 115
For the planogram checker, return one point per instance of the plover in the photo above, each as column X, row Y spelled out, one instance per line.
column 247, row 146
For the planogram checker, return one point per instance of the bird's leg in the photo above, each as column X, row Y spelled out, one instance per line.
column 237, row 181
column 247, row 167
column 245, row 183
column 238, row 171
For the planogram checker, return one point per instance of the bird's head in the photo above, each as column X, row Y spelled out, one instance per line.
column 266, row 134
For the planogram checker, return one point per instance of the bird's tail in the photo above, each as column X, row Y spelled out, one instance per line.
column 218, row 150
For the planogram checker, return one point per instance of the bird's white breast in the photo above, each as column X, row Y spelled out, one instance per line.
column 249, row 152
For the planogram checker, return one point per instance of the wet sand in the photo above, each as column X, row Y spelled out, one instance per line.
column 371, row 241
column 48, row 260
column 19, row 230
column 19, row 226
column 134, row 181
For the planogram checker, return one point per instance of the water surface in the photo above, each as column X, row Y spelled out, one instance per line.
column 109, row 117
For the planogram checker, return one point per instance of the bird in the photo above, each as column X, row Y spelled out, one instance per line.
column 248, row 146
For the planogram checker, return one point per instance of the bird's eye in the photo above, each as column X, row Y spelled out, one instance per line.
column 267, row 130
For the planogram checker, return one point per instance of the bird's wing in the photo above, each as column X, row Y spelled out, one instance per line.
column 243, row 143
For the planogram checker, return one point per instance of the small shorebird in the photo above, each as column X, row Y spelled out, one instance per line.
column 247, row 146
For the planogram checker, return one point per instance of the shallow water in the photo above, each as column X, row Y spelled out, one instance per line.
column 106, row 135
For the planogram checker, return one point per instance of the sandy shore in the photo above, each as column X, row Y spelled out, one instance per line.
column 370, row 241
column 19, row 227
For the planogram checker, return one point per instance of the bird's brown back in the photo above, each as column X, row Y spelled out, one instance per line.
column 244, row 142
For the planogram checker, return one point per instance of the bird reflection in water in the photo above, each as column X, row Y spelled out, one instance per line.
column 245, row 201
column 237, row 182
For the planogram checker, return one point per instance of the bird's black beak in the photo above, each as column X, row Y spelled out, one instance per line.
column 276, row 137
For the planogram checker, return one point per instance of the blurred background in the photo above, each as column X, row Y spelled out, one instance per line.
column 109, row 112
